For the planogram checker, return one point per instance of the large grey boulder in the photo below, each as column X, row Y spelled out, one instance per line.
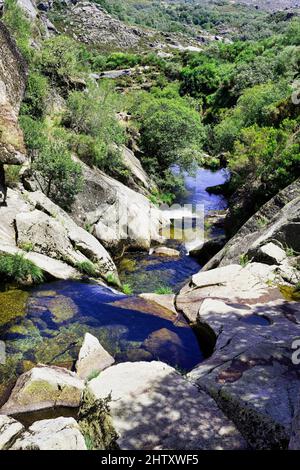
column 119, row 216
column 135, row 167
column 277, row 222
column 29, row 8
column 10, row 429
column 250, row 283
column 52, row 434
column 154, row 407
column 49, row 266
column 250, row 373
column 81, row 240
column 93, row 25
column 92, row 358
column 46, row 236
column 44, row 387
column 55, row 242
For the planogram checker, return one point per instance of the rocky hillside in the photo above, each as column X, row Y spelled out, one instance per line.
column 87, row 139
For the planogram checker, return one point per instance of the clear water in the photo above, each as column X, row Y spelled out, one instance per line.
column 149, row 273
column 57, row 315
column 256, row 320
column 47, row 324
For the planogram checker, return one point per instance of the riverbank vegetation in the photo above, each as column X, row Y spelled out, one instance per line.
column 232, row 101
column 16, row 268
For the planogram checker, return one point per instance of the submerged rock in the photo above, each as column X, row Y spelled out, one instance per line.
column 166, row 251
column 52, row 434
column 93, row 358
column 208, row 249
column 154, row 407
column 44, row 387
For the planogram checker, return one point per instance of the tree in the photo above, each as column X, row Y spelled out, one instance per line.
column 58, row 176
column 168, row 128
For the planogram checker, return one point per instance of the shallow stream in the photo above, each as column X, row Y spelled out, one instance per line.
column 46, row 324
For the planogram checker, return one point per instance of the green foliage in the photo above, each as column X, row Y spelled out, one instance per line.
column 26, row 246
column 127, row 289
column 162, row 121
column 62, row 59
column 91, row 115
column 37, row 92
column 256, row 105
column 58, row 176
column 88, row 268
column 163, row 290
column 244, row 260
column 112, row 280
column 19, row 269
column 19, row 25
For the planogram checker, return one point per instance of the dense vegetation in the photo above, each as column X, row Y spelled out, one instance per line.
column 190, row 16
column 19, row 269
column 233, row 99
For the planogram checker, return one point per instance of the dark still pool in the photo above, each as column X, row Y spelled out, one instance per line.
column 47, row 325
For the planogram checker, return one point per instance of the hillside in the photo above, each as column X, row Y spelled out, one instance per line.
column 149, row 226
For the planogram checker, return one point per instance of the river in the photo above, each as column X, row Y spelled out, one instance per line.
column 47, row 323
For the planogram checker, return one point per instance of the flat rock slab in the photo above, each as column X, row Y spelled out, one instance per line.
column 234, row 283
column 44, row 387
column 154, row 407
column 10, row 429
column 52, row 434
column 251, row 374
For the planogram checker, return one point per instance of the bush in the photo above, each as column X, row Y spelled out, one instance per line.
column 37, row 91
column 19, row 25
column 58, row 176
column 168, row 128
column 88, row 268
column 61, row 59
column 19, row 269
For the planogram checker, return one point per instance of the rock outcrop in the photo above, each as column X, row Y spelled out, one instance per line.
column 44, row 387
column 251, row 374
column 93, row 25
column 50, row 238
column 277, row 222
column 51, row 434
column 154, row 407
column 249, row 284
column 13, row 73
column 10, row 429
column 117, row 215
column 93, row 358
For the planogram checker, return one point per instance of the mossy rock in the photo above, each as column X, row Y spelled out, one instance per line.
column 96, row 424
column 12, row 305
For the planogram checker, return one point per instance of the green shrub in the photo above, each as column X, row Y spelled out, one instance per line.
column 88, row 268
column 62, row 59
column 58, row 176
column 163, row 290
column 37, row 91
column 19, row 269
column 127, row 289
column 19, row 25
column 162, row 122
column 26, row 246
